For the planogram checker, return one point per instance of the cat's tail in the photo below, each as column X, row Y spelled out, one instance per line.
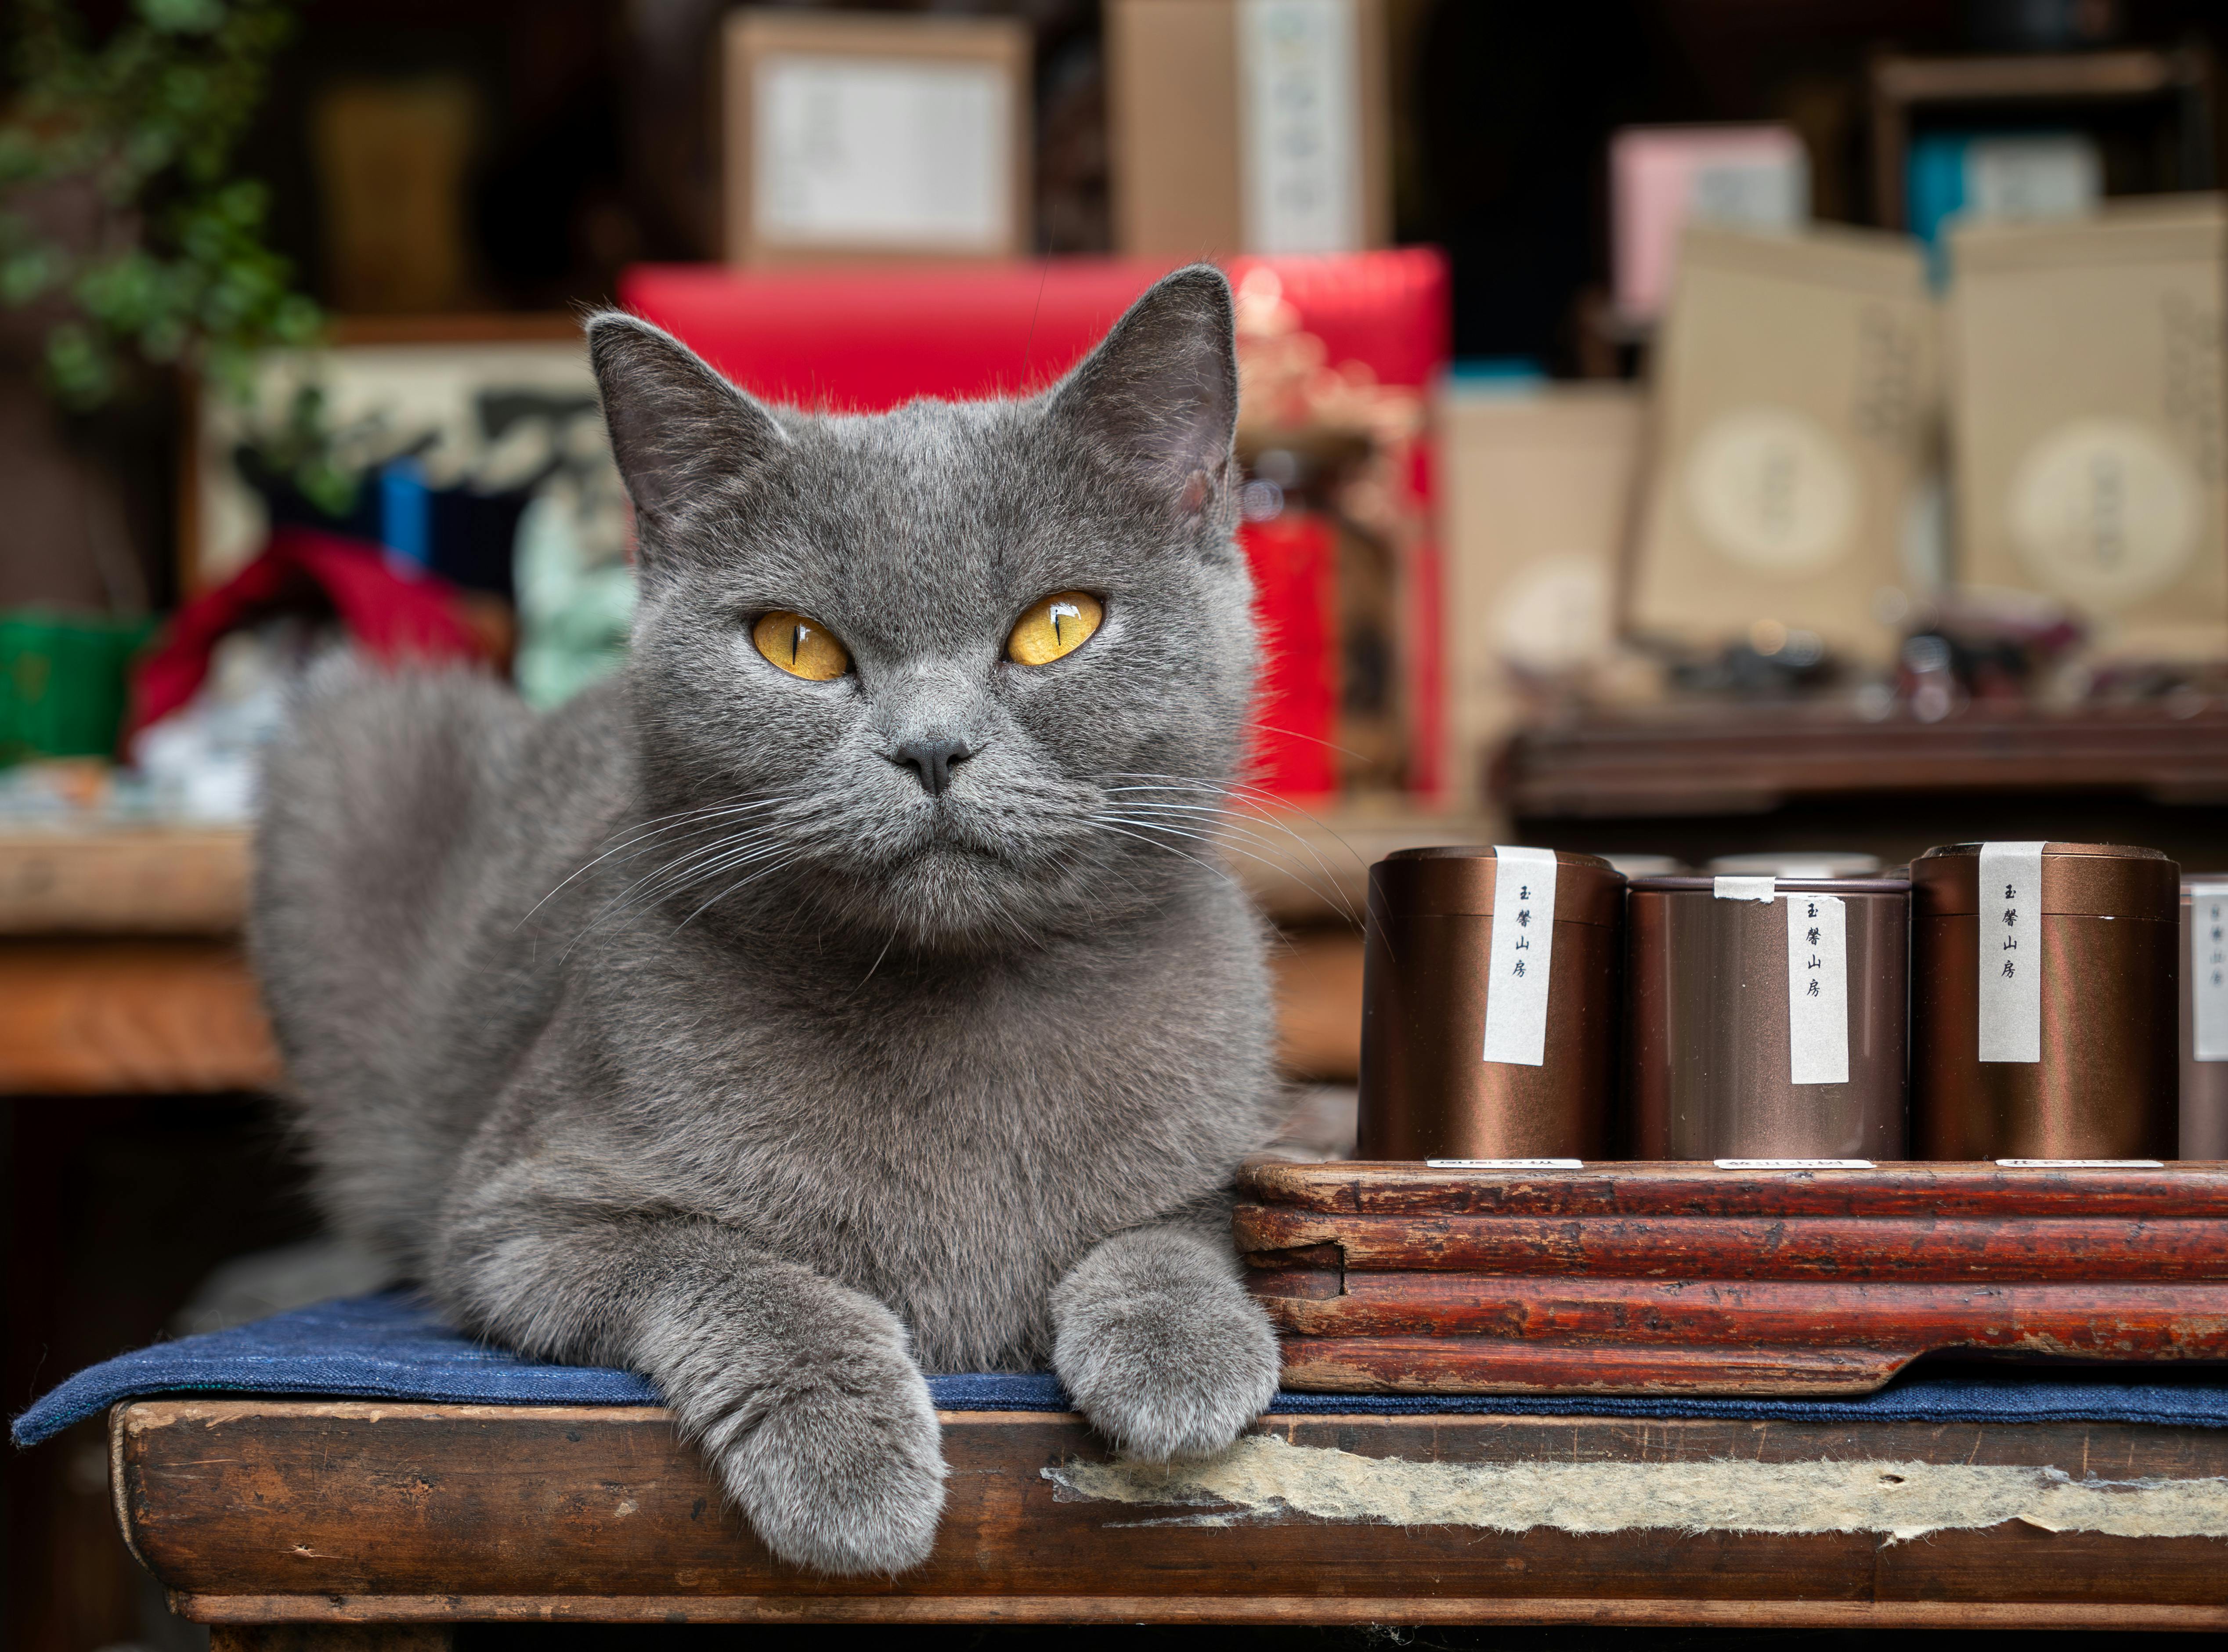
column 378, row 800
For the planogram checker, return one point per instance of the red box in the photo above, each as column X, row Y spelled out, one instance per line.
column 848, row 339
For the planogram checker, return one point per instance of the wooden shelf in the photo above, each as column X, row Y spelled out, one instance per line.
column 258, row 1513
column 1676, row 1279
column 1733, row 761
column 1902, row 85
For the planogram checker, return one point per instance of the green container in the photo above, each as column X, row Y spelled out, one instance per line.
column 63, row 681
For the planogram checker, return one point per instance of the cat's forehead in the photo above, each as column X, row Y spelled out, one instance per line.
column 939, row 512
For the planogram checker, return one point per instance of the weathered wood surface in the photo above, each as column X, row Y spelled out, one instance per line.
column 1684, row 1278
column 130, row 1017
column 1677, row 1189
column 124, row 880
column 343, row 1512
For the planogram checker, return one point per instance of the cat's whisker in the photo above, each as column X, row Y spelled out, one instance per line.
column 655, row 885
column 641, row 833
column 1268, row 815
column 1224, row 827
column 740, row 883
column 1287, row 867
column 1172, row 849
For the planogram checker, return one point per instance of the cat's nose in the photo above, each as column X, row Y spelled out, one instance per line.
column 931, row 761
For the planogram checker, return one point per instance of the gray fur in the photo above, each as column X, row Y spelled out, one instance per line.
column 877, row 1081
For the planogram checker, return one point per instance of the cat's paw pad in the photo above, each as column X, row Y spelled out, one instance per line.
column 1176, row 1368
column 843, row 1474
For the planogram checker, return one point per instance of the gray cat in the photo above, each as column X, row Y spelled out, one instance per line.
column 849, row 990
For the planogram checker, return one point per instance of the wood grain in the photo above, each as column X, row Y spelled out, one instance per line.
column 2191, row 1189
column 1682, row 1278
column 1318, row 977
column 1612, row 766
column 119, row 1017
column 123, row 881
column 256, row 1511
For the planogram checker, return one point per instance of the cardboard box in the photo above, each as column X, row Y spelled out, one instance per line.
column 1791, row 434
column 859, row 135
column 1536, row 488
column 2089, row 401
column 1248, row 126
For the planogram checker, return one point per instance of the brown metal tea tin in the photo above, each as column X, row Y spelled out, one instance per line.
column 1430, row 978
column 2067, row 1048
column 2203, row 1131
column 1714, row 1008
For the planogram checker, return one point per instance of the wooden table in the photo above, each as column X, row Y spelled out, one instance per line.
column 121, row 971
column 259, row 1515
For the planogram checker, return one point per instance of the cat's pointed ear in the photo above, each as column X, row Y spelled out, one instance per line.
column 678, row 429
column 1159, row 396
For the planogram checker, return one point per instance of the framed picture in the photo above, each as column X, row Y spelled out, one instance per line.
column 872, row 136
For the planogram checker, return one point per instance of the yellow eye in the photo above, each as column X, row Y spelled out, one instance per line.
column 799, row 646
column 1056, row 625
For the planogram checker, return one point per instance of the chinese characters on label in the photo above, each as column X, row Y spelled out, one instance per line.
column 1817, row 990
column 1520, row 955
column 2010, row 928
column 2208, row 971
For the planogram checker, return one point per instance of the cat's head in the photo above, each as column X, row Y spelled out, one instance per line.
column 963, row 673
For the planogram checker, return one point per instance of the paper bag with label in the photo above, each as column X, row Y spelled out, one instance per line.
column 2088, row 402
column 1796, row 394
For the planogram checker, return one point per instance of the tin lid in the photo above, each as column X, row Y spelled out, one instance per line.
column 1882, row 885
column 1796, row 863
column 2078, row 880
column 1458, row 879
column 1647, row 865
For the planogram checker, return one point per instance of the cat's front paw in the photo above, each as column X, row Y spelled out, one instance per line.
column 842, row 1470
column 1160, row 1347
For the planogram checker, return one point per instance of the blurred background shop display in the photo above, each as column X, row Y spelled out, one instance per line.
column 1670, row 429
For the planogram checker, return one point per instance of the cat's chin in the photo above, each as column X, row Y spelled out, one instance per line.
column 950, row 896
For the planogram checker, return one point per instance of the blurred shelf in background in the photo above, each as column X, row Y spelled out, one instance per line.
column 123, row 880
column 1703, row 780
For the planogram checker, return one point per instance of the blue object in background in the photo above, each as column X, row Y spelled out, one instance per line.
column 2000, row 175
column 1496, row 376
column 1934, row 189
column 406, row 514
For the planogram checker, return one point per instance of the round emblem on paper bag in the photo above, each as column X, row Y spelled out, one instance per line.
column 1556, row 614
column 2104, row 513
column 1772, row 490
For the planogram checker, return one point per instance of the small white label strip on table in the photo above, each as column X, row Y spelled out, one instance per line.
column 2082, row 1164
column 1504, row 1164
column 1817, row 990
column 1794, row 1164
column 1522, row 948
column 2208, row 971
column 2010, row 922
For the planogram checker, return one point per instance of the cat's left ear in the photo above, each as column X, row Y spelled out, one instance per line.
column 678, row 429
column 1159, row 396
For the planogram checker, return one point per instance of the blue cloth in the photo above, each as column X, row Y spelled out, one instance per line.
column 392, row 1346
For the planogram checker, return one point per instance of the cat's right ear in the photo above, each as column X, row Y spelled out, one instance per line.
column 678, row 429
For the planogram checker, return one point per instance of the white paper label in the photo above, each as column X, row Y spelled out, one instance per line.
column 1793, row 1164
column 1523, row 946
column 1743, row 889
column 1817, row 990
column 1300, row 132
column 874, row 151
column 2208, row 971
column 1504, row 1164
column 2010, row 951
column 2082, row 1164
